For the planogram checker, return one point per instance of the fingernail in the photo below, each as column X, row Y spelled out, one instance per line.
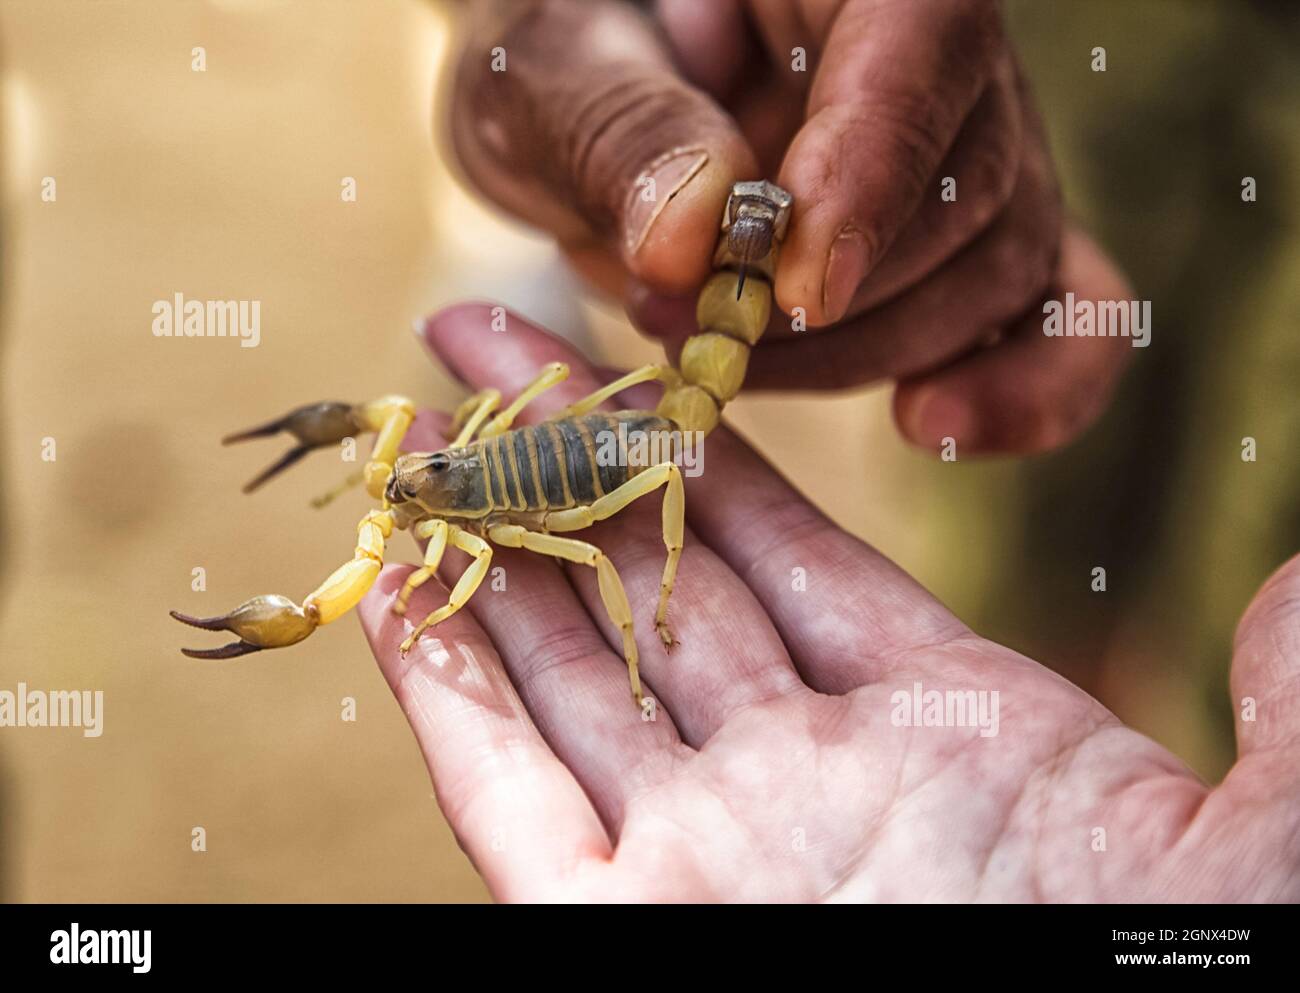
column 443, row 332
column 654, row 188
column 448, row 326
column 846, row 265
column 938, row 417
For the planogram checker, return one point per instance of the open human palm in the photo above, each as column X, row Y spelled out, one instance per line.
column 777, row 766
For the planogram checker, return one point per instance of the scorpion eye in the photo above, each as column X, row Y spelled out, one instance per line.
column 439, row 462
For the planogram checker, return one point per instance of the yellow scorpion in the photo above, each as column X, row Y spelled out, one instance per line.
column 525, row 487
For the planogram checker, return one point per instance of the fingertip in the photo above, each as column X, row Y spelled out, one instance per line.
column 671, row 228
column 456, row 317
column 390, row 580
column 445, row 330
column 660, row 315
column 930, row 417
column 1028, row 392
column 826, row 257
column 378, row 622
column 1275, row 605
column 971, row 411
column 848, row 261
column 486, row 345
column 1266, row 657
column 474, row 338
column 1008, row 400
column 708, row 40
column 428, row 432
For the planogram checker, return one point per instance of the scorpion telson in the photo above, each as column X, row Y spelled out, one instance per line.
column 526, row 487
column 757, row 215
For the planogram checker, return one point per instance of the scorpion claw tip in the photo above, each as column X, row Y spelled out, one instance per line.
column 206, row 623
column 232, row 651
column 290, row 457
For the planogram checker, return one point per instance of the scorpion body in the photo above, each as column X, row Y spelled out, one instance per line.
column 526, row 487
column 529, row 472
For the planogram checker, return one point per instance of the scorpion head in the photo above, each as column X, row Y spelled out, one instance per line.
column 448, row 483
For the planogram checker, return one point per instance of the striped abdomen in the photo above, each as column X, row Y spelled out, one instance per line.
column 571, row 461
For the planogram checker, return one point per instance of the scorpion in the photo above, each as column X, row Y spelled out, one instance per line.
column 527, row 487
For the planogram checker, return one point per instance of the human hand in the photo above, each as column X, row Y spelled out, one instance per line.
column 893, row 281
column 775, row 769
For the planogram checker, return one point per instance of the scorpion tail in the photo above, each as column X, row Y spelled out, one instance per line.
column 277, row 622
column 733, row 307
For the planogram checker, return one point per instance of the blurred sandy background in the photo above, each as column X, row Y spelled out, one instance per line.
column 226, row 184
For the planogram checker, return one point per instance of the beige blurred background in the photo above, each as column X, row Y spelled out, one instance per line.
column 226, row 184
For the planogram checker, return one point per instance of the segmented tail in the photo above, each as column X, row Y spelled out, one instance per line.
column 733, row 307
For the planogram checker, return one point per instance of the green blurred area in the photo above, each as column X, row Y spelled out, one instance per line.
column 1152, row 154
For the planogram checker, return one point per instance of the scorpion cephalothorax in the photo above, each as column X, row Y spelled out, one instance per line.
column 525, row 487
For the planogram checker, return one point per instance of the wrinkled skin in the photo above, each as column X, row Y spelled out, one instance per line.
column 942, row 296
column 773, row 770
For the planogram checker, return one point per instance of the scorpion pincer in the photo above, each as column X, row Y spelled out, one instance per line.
column 529, row 487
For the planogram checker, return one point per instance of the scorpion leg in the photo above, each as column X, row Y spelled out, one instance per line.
column 646, row 374
column 389, row 417
column 612, row 593
column 471, row 414
column 551, row 375
column 465, row 586
column 674, row 525
column 436, row 531
column 276, row 621
column 330, row 495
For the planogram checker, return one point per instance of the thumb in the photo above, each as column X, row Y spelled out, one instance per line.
column 1246, row 828
column 571, row 115
column 1266, row 671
